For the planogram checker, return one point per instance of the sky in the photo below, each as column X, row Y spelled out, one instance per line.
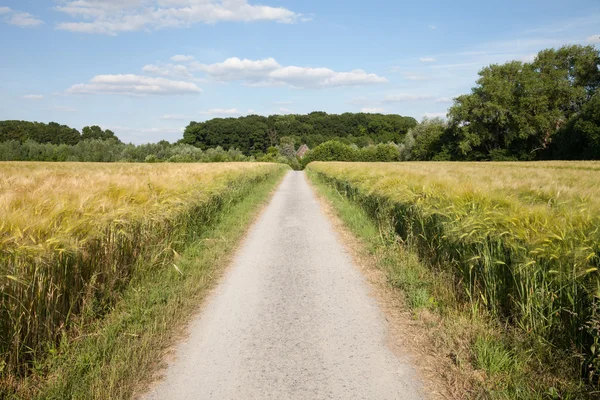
column 146, row 68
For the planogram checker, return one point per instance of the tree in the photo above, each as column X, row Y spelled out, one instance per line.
column 517, row 108
column 579, row 139
column 94, row 132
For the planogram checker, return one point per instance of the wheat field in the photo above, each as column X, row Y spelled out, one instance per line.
column 72, row 235
column 522, row 239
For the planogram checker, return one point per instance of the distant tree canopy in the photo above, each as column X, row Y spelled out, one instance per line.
column 96, row 133
column 255, row 134
column 39, row 132
column 52, row 133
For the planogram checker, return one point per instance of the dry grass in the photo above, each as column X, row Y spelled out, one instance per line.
column 73, row 235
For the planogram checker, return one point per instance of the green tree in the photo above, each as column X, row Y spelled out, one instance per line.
column 94, row 132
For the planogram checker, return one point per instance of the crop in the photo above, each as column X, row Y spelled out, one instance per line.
column 522, row 239
column 73, row 235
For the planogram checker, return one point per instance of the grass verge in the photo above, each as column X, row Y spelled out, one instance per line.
column 118, row 356
column 478, row 357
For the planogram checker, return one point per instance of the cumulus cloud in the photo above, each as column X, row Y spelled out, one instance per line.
column 268, row 72
column 113, row 17
column 5, row 10
column 130, row 84
column 372, row 110
column 594, row 39
column 23, row 19
column 169, row 70
column 182, row 58
column 33, row 97
column 427, row 59
column 404, row 97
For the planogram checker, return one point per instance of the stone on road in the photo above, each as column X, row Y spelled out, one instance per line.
column 291, row 319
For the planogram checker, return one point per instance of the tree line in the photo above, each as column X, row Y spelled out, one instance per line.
column 52, row 133
column 254, row 134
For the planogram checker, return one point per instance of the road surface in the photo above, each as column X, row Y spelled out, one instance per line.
column 291, row 319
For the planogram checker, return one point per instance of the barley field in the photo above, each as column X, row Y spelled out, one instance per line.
column 73, row 235
column 522, row 239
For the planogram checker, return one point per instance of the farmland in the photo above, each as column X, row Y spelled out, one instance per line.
column 74, row 235
column 521, row 240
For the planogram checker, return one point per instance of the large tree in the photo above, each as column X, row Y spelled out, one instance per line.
column 517, row 108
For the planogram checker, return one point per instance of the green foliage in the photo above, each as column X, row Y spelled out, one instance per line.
column 255, row 133
column 517, row 109
column 423, row 141
column 579, row 139
column 54, row 133
column 96, row 133
column 337, row 151
column 110, row 150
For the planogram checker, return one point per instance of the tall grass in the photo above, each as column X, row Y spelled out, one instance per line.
column 522, row 239
column 72, row 236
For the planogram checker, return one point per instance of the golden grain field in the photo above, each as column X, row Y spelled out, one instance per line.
column 523, row 239
column 72, row 235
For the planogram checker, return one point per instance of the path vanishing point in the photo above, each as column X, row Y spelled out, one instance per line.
column 291, row 319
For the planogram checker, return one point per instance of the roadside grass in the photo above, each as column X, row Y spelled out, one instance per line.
column 118, row 356
column 490, row 360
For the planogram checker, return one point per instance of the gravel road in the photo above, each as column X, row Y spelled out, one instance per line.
column 291, row 319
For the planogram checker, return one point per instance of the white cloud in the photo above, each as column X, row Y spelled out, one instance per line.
column 444, row 100
column 268, row 72
column 113, row 17
column 427, row 59
column 372, row 110
column 174, row 117
column 134, row 85
column 5, row 10
column 171, row 70
column 33, row 97
column 403, row 97
column 182, row 58
column 432, row 27
column 63, row 109
column 222, row 112
column 594, row 39
column 234, row 69
column 24, row 20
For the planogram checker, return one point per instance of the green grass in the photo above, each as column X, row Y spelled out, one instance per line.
column 498, row 362
column 114, row 357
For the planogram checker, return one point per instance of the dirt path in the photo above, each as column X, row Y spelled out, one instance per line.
column 292, row 319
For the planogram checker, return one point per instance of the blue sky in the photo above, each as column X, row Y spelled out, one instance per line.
column 145, row 68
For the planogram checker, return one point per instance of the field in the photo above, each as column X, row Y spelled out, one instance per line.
column 72, row 237
column 521, row 239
